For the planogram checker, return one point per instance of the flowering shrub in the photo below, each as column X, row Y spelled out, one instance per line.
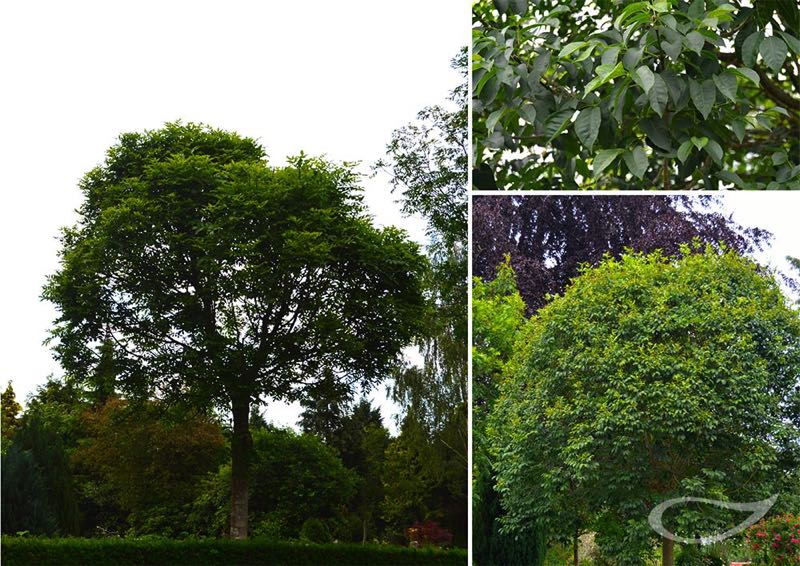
column 776, row 540
column 428, row 533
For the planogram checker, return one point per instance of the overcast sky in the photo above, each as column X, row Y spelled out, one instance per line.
column 332, row 78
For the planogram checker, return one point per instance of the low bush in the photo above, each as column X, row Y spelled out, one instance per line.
column 153, row 551
column 776, row 540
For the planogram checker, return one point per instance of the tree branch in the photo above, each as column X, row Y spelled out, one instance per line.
column 773, row 91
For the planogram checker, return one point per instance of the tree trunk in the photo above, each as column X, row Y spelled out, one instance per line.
column 363, row 531
column 240, row 463
column 575, row 541
column 666, row 551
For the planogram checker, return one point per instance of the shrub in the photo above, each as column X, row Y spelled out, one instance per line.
column 152, row 551
column 314, row 530
column 776, row 540
column 428, row 533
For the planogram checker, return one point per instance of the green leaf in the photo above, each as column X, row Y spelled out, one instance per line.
column 748, row 74
column 493, row 118
column 657, row 132
column 695, row 42
column 501, row 6
column 669, row 21
column 603, row 159
column 675, row 85
column 610, row 56
column 585, row 53
column 703, row 96
column 528, row 112
column 726, row 83
column 519, row 7
column 661, row 6
column 699, row 143
column 779, row 158
column 730, row 177
column 714, row 150
column 685, row 150
column 570, row 48
column 659, row 95
column 587, row 125
column 697, row 9
column 764, row 121
column 490, row 90
column 672, row 49
column 722, row 13
column 557, row 123
column 791, row 41
column 636, row 161
column 632, row 57
column 619, row 103
column 645, row 78
column 605, row 73
column 629, row 10
column 750, row 48
column 738, row 127
column 774, row 51
column 478, row 87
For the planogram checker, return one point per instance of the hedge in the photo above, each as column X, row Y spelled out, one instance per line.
column 120, row 552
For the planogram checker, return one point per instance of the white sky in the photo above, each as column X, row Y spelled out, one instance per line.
column 332, row 78
column 776, row 211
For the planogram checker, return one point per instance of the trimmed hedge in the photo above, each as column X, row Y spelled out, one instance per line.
column 123, row 552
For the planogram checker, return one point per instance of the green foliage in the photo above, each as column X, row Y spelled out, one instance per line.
column 47, row 450
column 424, row 480
column 296, row 477
column 694, row 555
column 490, row 545
column 190, row 222
column 210, row 511
column 315, row 530
column 666, row 94
column 293, row 478
column 498, row 313
column 649, row 378
column 9, row 410
column 26, row 505
column 150, row 551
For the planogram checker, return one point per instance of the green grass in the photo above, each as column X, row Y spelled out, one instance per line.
column 122, row 552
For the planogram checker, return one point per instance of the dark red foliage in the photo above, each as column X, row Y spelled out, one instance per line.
column 549, row 237
column 428, row 533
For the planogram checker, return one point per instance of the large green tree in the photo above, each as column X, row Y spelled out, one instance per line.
column 651, row 377
column 217, row 279
column 654, row 94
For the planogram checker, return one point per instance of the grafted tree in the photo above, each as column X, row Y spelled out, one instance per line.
column 651, row 377
column 217, row 279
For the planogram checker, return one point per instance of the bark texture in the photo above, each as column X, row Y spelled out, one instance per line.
column 241, row 444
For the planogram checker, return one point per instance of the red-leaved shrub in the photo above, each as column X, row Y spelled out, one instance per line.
column 776, row 540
